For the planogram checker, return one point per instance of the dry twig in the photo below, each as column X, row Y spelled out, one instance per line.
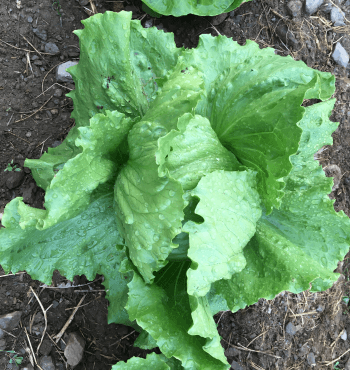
column 59, row 335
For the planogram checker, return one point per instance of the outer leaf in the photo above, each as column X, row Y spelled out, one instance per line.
column 163, row 310
column 70, row 191
column 192, row 152
column 145, row 56
column 178, row 8
column 302, row 241
column 152, row 361
column 253, row 103
column 230, row 206
column 86, row 244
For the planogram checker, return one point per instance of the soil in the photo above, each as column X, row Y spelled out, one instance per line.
column 290, row 332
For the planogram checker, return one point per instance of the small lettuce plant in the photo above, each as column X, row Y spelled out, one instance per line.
column 178, row 8
column 188, row 181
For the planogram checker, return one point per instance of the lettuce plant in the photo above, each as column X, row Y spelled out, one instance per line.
column 188, row 181
column 178, row 8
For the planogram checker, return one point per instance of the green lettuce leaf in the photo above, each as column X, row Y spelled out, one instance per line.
column 163, row 310
column 92, row 235
column 178, row 8
column 297, row 244
column 70, row 191
column 152, row 361
column 216, row 245
column 253, row 103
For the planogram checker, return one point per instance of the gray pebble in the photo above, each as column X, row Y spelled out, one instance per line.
column 52, row 48
column 28, row 134
column 42, row 34
column 320, row 308
column 291, row 329
column 57, row 93
column 311, row 359
column 337, row 16
column 30, row 19
column 149, row 23
column 311, row 6
column 344, row 335
column 340, row 55
column 62, row 75
column 294, row 8
column 46, row 363
column 34, row 57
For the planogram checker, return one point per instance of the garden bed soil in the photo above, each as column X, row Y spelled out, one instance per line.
column 292, row 331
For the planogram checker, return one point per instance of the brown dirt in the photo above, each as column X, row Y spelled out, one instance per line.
column 254, row 338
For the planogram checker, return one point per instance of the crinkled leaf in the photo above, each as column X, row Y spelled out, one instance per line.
column 178, row 8
column 71, row 189
column 179, row 95
column 230, row 206
column 302, row 241
column 254, row 102
column 152, row 361
column 163, row 310
column 86, row 244
column 193, row 151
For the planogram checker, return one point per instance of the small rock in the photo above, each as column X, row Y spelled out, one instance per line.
column 49, row 115
column 62, row 75
column 149, row 23
column 320, row 308
column 10, row 321
column 57, row 93
column 30, row 19
column 54, row 111
column 311, row 6
column 236, row 366
column 337, row 17
column 2, row 334
column 42, row 34
column 45, row 347
column 39, row 317
column 311, row 359
column 46, row 363
column 344, row 335
column 219, row 19
column 294, row 8
column 291, row 329
column 34, row 57
column 74, row 349
column 38, row 62
column 28, row 134
column 52, row 48
column 340, row 55
column 2, row 344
